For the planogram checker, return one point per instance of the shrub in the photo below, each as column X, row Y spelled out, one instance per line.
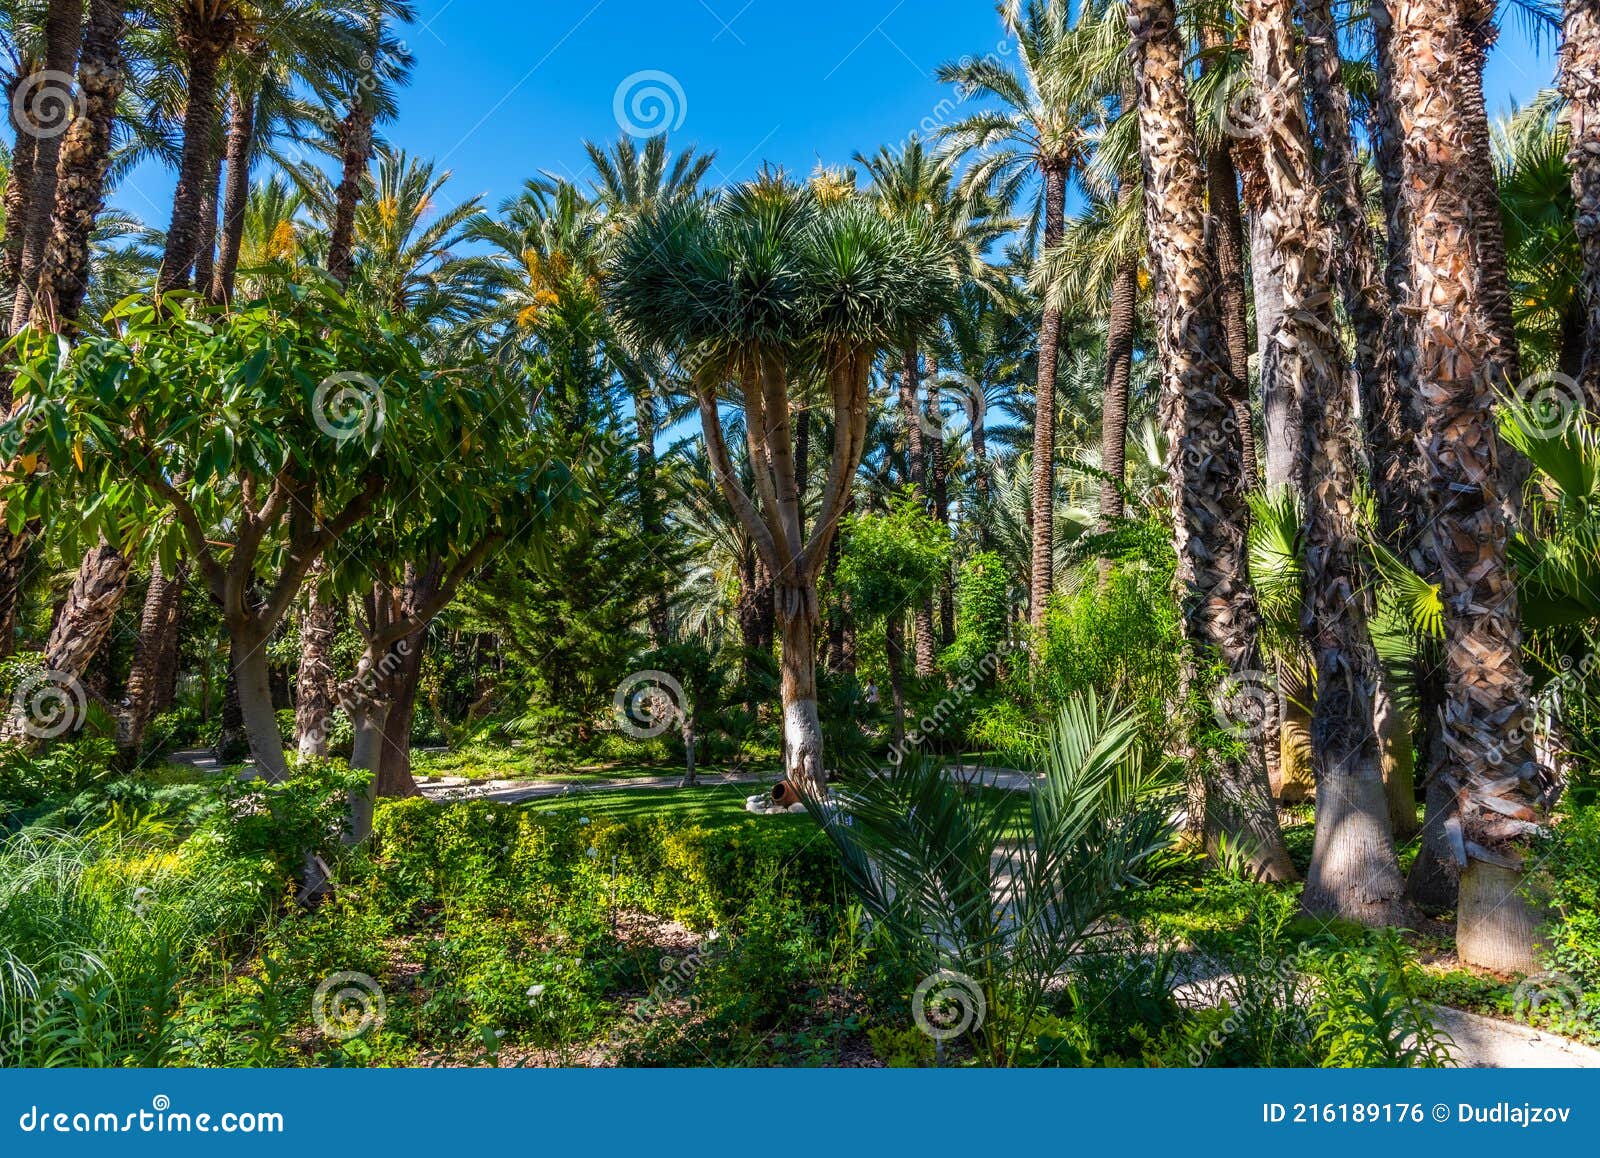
column 30, row 781
column 178, row 728
column 1118, row 639
column 492, row 856
column 1569, row 994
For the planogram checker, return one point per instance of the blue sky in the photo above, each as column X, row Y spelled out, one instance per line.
column 506, row 88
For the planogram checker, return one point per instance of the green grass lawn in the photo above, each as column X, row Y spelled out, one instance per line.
column 498, row 762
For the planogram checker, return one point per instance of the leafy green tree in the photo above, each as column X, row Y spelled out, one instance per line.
column 890, row 564
column 255, row 440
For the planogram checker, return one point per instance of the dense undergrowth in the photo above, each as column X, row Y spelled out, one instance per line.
column 483, row 934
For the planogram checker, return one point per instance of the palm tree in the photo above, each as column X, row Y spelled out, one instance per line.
column 1354, row 871
column 405, row 247
column 34, row 165
column 1580, row 84
column 85, row 159
column 1099, row 261
column 205, row 32
column 1488, row 753
column 310, row 49
column 368, row 99
column 1220, row 616
column 1036, row 131
column 918, row 186
column 629, row 182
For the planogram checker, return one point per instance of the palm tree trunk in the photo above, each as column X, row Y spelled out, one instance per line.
column 85, row 158
column 644, row 419
column 205, row 254
column 1488, row 755
column 315, row 686
column 917, row 477
column 1281, row 418
column 894, row 646
column 355, row 148
column 19, row 184
column 1044, row 418
column 1494, row 279
column 236, row 197
column 204, row 45
column 49, row 105
column 1220, row 615
column 1119, row 371
column 939, row 487
column 82, row 624
column 1222, row 190
column 1354, row 872
column 154, row 655
column 1389, row 416
column 1580, row 84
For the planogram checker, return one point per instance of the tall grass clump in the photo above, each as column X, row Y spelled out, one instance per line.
column 97, row 930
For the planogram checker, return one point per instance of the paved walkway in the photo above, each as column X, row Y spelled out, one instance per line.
column 515, row 791
column 1489, row 1043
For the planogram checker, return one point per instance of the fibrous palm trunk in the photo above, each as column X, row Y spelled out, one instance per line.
column 205, row 251
column 85, row 159
column 205, row 39
column 19, row 183
column 81, row 625
column 1354, row 872
column 1220, row 615
column 49, row 104
column 939, row 492
column 155, row 653
column 355, row 152
column 1580, row 84
column 315, row 684
column 236, row 196
column 1119, row 371
column 1389, row 415
column 917, row 477
column 1494, row 279
column 1488, row 760
column 1044, row 417
column 1222, row 192
column 644, row 418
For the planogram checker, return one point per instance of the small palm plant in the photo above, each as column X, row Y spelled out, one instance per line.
column 995, row 894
